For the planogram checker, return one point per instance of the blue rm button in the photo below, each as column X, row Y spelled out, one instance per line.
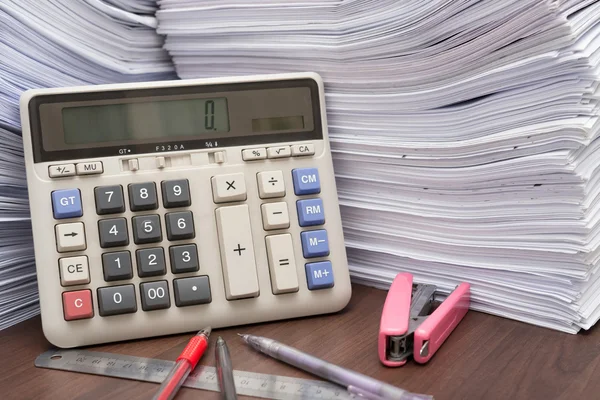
column 310, row 212
column 306, row 181
column 319, row 275
column 66, row 203
column 315, row 243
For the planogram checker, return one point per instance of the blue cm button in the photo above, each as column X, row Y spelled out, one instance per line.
column 310, row 212
column 319, row 275
column 315, row 243
column 306, row 181
column 66, row 203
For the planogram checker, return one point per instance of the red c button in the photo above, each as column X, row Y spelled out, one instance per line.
column 77, row 305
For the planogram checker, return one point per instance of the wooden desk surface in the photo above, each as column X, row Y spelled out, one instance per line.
column 485, row 358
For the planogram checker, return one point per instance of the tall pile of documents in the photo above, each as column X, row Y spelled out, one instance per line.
column 464, row 131
column 58, row 43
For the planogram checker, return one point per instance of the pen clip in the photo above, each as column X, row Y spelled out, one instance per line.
column 363, row 394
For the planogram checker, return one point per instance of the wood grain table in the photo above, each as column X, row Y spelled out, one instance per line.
column 485, row 358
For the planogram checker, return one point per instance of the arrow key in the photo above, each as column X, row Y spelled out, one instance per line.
column 70, row 237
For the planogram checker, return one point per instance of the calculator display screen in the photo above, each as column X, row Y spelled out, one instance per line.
column 177, row 117
column 144, row 120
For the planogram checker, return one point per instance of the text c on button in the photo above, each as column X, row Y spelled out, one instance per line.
column 78, row 303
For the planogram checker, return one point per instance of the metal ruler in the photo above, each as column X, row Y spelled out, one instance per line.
column 203, row 377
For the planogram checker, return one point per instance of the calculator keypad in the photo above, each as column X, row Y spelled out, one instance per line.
column 184, row 258
column 151, row 262
column 70, row 237
column 66, row 203
column 235, row 237
column 270, row 184
column 77, row 305
column 114, row 300
column 155, row 295
column 146, row 229
column 113, row 232
column 237, row 252
column 180, row 225
column 231, row 187
column 176, row 193
column 142, row 196
column 116, row 266
column 109, row 199
column 192, row 291
column 74, row 271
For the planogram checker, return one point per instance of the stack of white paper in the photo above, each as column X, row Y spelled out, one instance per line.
column 464, row 134
column 58, row 43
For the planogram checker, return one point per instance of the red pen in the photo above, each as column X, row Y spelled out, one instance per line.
column 186, row 362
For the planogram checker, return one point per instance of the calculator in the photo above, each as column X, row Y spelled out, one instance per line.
column 164, row 207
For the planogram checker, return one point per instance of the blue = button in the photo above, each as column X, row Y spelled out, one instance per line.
column 306, row 181
column 66, row 203
column 319, row 275
column 315, row 243
column 310, row 212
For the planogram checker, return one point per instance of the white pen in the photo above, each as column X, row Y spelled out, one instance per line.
column 358, row 384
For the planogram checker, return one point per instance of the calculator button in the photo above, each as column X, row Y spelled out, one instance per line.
column 61, row 170
column 180, row 225
column 142, row 196
column 275, row 216
column 191, row 291
column 270, row 184
column 113, row 232
column 155, row 295
column 279, row 152
column 254, row 154
column 74, row 271
column 115, row 300
column 184, row 258
column 77, row 305
column 109, row 199
column 230, row 187
column 237, row 252
column 70, row 237
column 146, row 229
column 280, row 253
column 176, row 193
column 315, row 243
column 66, row 203
column 90, row 168
column 117, row 266
column 319, row 275
column 307, row 149
column 151, row 262
column 161, row 162
column 306, row 181
column 310, row 212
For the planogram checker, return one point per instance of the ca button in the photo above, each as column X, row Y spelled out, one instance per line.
column 74, row 271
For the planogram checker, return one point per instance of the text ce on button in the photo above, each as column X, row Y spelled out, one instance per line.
column 77, row 305
column 74, row 271
column 306, row 149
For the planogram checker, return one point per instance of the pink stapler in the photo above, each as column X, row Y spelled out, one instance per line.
column 410, row 327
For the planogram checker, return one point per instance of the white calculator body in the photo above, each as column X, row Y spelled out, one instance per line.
column 165, row 207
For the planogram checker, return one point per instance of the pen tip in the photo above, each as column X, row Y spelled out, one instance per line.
column 244, row 336
column 206, row 331
column 220, row 340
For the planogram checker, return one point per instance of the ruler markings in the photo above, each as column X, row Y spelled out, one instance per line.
column 203, row 377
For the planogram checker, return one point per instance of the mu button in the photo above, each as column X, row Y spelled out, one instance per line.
column 77, row 305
